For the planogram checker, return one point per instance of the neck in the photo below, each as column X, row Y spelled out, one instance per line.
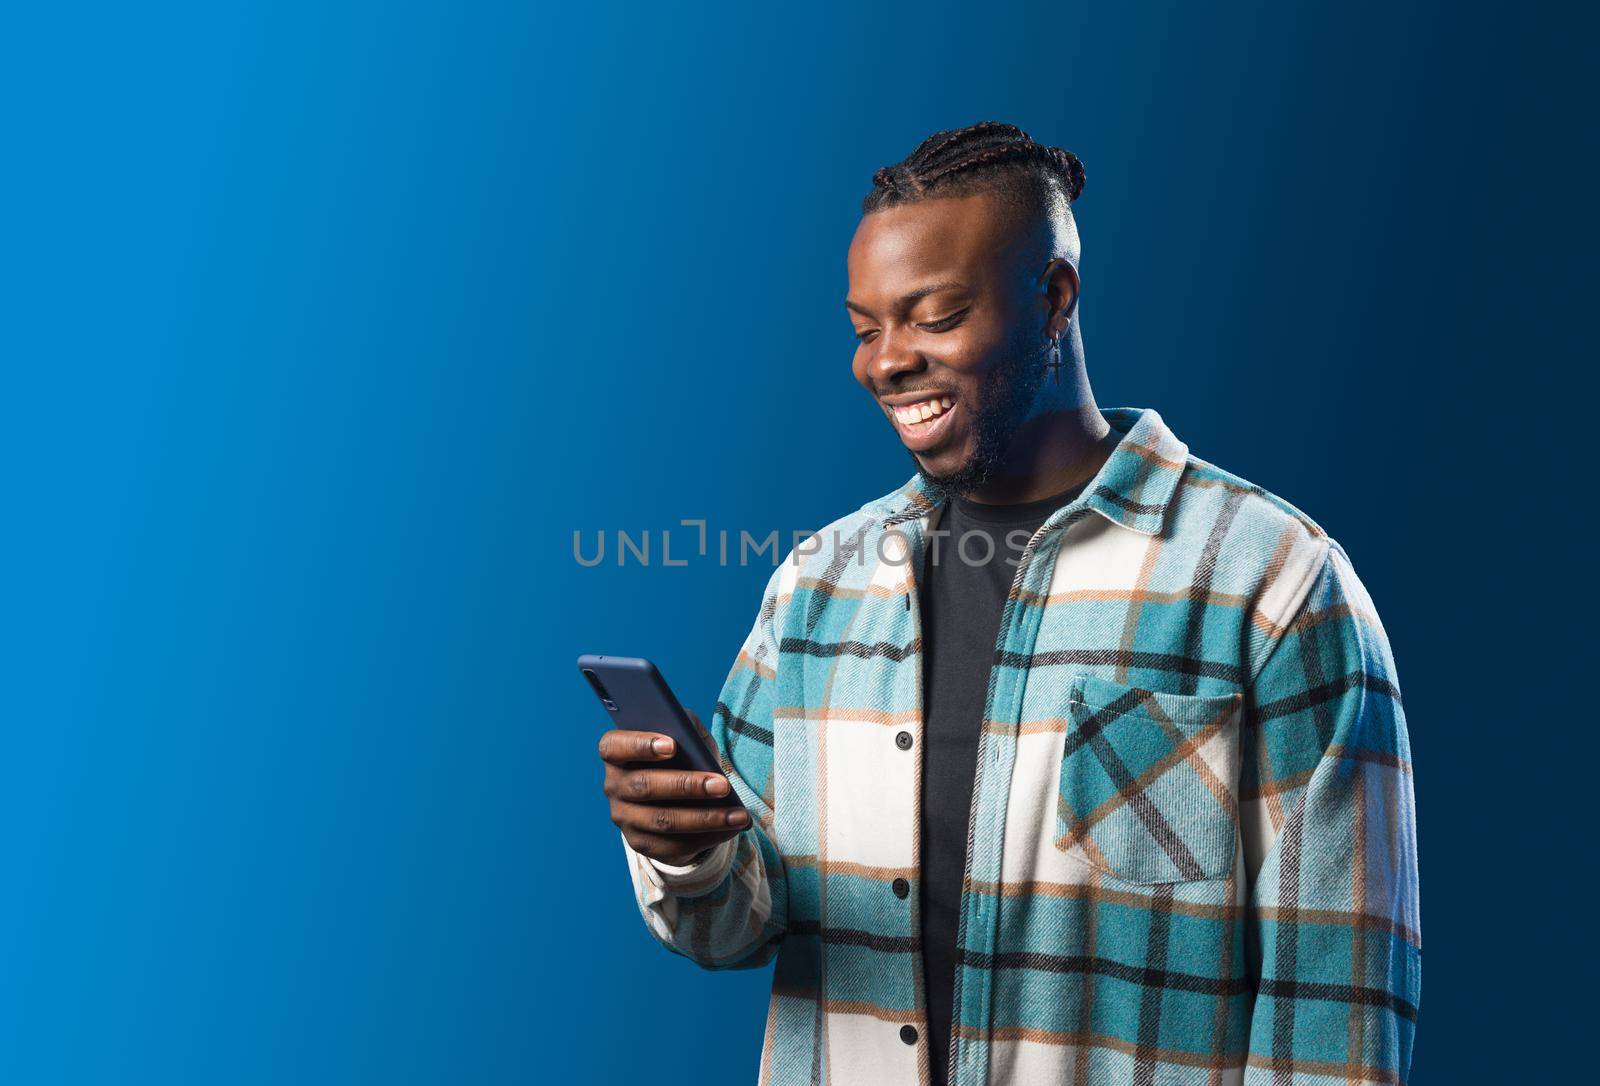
column 1050, row 453
column 1063, row 443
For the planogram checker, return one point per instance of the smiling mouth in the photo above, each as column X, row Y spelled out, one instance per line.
column 915, row 416
column 924, row 424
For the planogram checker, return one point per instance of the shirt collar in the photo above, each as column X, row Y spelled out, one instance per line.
column 1133, row 488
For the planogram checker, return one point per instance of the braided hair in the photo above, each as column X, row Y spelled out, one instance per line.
column 987, row 156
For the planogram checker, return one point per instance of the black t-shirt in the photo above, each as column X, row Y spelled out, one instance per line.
column 965, row 580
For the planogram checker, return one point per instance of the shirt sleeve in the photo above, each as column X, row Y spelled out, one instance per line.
column 1329, row 826
column 729, row 908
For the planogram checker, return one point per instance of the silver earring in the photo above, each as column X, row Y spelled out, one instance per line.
column 1053, row 363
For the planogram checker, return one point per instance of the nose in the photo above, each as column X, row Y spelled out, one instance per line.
column 896, row 354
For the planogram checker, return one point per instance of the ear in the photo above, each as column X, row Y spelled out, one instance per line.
column 1059, row 281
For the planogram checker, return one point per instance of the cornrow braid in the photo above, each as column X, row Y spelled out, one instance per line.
column 986, row 155
column 929, row 151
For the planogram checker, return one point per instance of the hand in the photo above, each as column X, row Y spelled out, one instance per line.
column 647, row 804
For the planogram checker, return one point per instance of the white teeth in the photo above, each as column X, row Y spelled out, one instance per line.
column 918, row 413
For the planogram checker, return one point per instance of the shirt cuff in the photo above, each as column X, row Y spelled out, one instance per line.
column 698, row 876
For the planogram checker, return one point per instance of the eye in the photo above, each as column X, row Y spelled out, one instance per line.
column 944, row 324
column 865, row 334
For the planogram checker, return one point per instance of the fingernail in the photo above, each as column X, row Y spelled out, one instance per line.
column 737, row 818
column 662, row 746
column 717, row 786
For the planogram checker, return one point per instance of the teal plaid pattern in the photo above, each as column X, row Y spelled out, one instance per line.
column 1192, row 847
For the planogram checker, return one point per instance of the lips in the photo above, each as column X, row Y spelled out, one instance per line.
column 923, row 422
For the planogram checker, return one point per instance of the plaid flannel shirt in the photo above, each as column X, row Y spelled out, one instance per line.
column 1192, row 853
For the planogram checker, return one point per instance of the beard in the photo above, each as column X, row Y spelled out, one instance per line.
column 1002, row 404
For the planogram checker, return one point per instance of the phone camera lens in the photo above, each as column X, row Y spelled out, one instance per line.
column 600, row 690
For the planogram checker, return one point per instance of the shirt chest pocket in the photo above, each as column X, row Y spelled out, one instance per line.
column 1148, row 782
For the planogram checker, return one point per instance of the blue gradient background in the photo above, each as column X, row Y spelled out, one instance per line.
column 325, row 327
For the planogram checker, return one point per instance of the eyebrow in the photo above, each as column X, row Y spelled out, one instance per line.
column 915, row 296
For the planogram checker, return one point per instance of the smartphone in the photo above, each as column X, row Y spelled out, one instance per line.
column 639, row 699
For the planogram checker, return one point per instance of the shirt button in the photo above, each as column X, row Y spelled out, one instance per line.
column 900, row 887
column 908, row 1034
column 903, row 741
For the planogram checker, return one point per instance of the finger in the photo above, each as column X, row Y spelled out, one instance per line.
column 675, row 850
column 619, row 746
column 666, row 785
column 665, row 820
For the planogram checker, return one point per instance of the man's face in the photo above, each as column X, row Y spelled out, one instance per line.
column 950, row 327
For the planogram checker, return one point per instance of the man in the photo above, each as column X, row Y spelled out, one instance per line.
column 1122, row 797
